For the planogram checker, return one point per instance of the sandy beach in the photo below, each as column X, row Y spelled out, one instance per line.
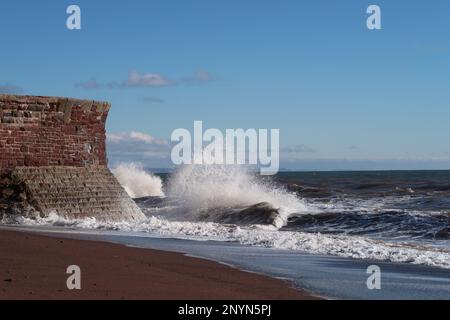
column 34, row 267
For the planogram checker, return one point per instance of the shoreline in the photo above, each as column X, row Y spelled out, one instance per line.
column 34, row 267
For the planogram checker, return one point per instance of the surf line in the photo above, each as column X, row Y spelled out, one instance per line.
column 235, row 147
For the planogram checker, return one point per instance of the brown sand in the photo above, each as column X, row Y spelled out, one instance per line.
column 34, row 267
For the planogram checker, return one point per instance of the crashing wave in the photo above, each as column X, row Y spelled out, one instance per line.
column 136, row 182
column 230, row 193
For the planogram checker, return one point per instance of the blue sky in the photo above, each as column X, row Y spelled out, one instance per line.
column 342, row 96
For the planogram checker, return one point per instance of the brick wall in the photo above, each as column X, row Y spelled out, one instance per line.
column 51, row 131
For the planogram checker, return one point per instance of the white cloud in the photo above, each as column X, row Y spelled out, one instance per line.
column 91, row 84
column 136, row 79
column 137, row 146
column 134, row 136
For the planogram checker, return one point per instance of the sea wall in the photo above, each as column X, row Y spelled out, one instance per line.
column 53, row 160
column 51, row 131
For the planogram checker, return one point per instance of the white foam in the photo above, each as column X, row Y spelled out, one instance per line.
column 208, row 187
column 137, row 182
column 338, row 245
column 205, row 187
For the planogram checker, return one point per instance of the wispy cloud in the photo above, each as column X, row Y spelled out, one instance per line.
column 10, row 88
column 200, row 76
column 153, row 100
column 364, row 164
column 138, row 79
column 137, row 146
column 91, row 84
column 148, row 79
column 134, row 136
column 301, row 148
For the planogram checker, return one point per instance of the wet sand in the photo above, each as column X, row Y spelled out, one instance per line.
column 34, row 267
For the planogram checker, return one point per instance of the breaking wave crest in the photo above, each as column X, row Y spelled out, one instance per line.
column 138, row 183
column 230, row 194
